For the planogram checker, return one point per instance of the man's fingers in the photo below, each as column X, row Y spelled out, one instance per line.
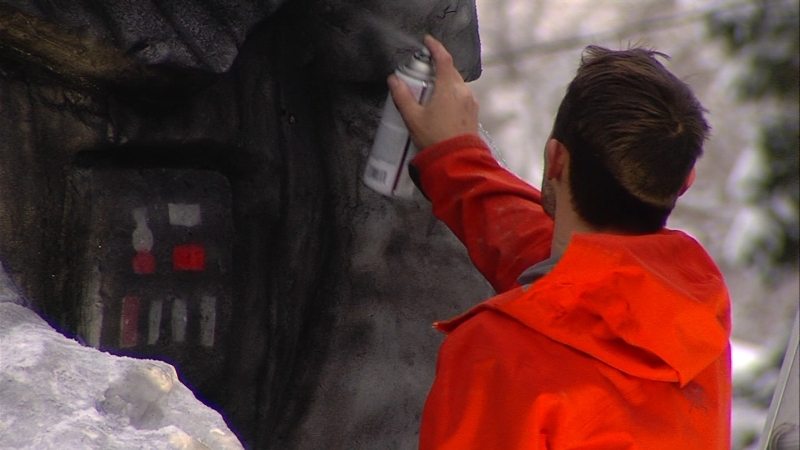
column 445, row 70
column 450, row 112
column 408, row 106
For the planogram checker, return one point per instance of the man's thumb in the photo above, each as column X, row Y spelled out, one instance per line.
column 403, row 99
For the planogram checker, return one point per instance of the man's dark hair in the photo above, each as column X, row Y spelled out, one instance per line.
column 633, row 132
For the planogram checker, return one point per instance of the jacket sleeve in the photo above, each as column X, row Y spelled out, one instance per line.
column 495, row 214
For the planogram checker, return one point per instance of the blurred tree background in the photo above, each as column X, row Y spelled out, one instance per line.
column 766, row 34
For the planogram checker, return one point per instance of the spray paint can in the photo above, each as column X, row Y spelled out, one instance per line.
column 387, row 165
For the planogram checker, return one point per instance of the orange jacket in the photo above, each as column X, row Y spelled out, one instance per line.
column 623, row 345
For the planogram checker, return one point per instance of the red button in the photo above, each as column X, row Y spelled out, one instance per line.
column 189, row 257
column 144, row 263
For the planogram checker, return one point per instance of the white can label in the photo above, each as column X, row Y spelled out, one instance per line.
column 386, row 170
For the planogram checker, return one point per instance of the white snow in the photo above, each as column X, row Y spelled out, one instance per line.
column 746, row 357
column 58, row 394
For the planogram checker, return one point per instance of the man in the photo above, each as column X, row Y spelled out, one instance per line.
column 609, row 331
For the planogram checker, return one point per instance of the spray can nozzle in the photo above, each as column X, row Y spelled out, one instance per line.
column 420, row 66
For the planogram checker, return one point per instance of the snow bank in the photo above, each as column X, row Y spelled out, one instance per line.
column 57, row 394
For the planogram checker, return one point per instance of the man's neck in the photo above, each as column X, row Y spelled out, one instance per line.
column 566, row 224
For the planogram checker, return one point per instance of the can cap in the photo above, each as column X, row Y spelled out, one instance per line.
column 420, row 65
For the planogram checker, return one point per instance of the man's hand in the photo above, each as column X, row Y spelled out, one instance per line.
column 451, row 111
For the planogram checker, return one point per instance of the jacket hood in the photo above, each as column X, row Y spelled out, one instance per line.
column 653, row 306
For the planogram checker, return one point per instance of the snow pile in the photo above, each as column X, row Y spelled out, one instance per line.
column 57, row 394
column 756, row 370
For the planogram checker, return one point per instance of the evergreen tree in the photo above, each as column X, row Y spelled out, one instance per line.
column 766, row 33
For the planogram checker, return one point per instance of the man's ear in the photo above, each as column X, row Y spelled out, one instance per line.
column 556, row 159
column 689, row 181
